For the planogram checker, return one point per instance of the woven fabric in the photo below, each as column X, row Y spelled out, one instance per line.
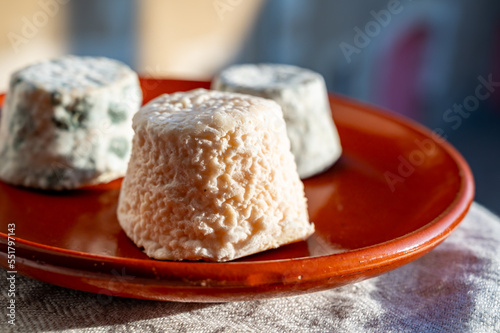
column 454, row 288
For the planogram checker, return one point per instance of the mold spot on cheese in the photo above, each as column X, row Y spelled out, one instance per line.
column 56, row 98
column 119, row 147
column 60, row 123
column 117, row 113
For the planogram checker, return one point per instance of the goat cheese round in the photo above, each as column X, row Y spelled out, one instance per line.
column 303, row 97
column 211, row 178
column 67, row 123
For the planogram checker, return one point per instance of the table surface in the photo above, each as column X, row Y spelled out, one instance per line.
column 454, row 288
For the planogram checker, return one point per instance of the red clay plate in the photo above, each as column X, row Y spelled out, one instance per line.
column 364, row 225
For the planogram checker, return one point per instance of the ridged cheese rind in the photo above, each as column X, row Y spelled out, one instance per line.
column 303, row 97
column 212, row 178
column 67, row 123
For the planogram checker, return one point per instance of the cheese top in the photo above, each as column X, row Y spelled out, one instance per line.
column 203, row 111
column 71, row 73
column 267, row 76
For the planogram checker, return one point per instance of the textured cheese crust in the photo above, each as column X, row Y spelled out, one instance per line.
column 67, row 123
column 211, row 177
column 303, row 97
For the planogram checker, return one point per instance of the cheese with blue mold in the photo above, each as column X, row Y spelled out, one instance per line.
column 66, row 123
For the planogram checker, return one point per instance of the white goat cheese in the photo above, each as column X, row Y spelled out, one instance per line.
column 303, row 97
column 212, row 178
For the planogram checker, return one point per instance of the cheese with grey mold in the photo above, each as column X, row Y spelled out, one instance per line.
column 303, row 97
column 211, row 177
column 67, row 123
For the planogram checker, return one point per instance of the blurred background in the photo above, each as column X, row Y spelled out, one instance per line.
column 433, row 61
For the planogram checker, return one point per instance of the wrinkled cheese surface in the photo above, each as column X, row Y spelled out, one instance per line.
column 211, row 177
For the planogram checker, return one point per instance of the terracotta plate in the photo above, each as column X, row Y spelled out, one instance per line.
column 396, row 193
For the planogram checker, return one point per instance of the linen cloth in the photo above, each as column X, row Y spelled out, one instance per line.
column 454, row 288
